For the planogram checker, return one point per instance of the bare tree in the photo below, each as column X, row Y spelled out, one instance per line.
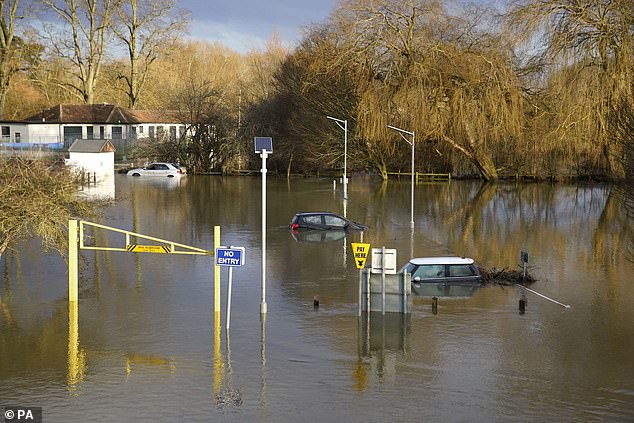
column 148, row 28
column 9, row 49
column 86, row 26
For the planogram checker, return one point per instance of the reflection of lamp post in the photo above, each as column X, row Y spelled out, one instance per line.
column 263, row 146
column 345, row 152
column 401, row 131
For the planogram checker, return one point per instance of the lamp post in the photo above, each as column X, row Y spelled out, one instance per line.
column 345, row 152
column 263, row 146
column 401, row 132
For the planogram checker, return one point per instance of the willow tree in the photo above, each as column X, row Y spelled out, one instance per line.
column 436, row 74
column 586, row 47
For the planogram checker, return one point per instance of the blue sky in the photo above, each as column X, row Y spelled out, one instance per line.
column 246, row 24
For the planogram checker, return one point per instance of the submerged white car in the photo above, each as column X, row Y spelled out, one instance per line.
column 158, row 169
column 448, row 270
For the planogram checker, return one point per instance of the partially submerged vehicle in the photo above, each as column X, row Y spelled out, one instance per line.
column 443, row 276
column 324, row 221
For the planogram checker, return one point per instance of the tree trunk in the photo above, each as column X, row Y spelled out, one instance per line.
column 485, row 165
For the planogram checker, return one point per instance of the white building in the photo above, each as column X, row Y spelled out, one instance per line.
column 92, row 156
column 59, row 126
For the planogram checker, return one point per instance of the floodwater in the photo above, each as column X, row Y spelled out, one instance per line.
column 144, row 343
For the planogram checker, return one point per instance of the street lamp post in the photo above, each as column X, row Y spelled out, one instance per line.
column 401, row 132
column 264, row 147
column 345, row 152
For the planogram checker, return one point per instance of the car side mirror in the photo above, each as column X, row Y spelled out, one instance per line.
column 417, row 279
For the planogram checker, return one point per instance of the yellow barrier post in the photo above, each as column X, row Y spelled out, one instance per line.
column 216, row 271
column 72, row 260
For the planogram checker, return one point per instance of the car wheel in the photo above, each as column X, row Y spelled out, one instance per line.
column 136, row 174
column 170, row 176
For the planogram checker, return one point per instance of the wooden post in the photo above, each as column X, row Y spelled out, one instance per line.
column 434, row 305
column 73, row 253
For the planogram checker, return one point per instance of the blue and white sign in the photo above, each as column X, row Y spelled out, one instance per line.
column 230, row 256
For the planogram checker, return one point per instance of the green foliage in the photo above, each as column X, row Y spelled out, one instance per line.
column 37, row 198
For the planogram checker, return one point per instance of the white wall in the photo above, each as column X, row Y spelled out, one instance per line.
column 99, row 163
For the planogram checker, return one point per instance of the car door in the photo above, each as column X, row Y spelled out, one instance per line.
column 334, row 222
column 462, row 274
column 313, row 221
column 150, row 170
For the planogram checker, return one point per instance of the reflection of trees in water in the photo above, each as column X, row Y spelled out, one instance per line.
column 496, row 222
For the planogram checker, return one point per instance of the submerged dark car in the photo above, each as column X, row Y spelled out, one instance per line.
column 324, row 221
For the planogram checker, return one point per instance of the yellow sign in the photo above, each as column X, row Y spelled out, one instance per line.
column 360, row 252
column 163, row 249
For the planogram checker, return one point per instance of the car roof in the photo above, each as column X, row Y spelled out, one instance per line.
column 313, row 213
column 441, row 260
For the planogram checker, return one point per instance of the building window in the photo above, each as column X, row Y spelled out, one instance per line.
column 151, row 131
column 117, row 132
column 6, row 132
column 172, row 133
column 18, row 137
column 90, row 132
column 140, row 129
column 102, row 132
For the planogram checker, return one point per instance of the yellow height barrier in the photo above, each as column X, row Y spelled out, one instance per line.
column 76, row 236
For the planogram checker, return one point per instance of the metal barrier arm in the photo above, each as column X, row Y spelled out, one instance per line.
column 170, row 248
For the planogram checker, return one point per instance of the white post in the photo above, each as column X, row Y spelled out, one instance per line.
column 413, row 144
column 383, row 280
column 411, row 222
column 263, row 304
column 345, row 160
column 229, row 296
column 345, row 152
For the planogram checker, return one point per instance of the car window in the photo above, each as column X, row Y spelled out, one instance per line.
column 314, row 220
column 427, row 271
column 151, row 167
column 162, row 167
column 458, row 270
column 334, row 221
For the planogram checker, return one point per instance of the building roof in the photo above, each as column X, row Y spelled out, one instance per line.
column 101, row 113
column 92, row 146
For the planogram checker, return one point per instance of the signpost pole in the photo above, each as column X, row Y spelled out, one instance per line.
column 263, row 146
column 216, row 271
column 73, row 261
column 229, row 296
column 263, row 304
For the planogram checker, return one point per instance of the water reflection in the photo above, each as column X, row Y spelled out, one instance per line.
column 76, row 355
column 478, row 360
column 102, row 190
column 318, row 236
column 382, row 340
column 446, row 290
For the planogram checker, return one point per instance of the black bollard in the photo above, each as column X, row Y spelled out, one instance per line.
column 316, row 302
column 434, row 305
column 522, row 306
